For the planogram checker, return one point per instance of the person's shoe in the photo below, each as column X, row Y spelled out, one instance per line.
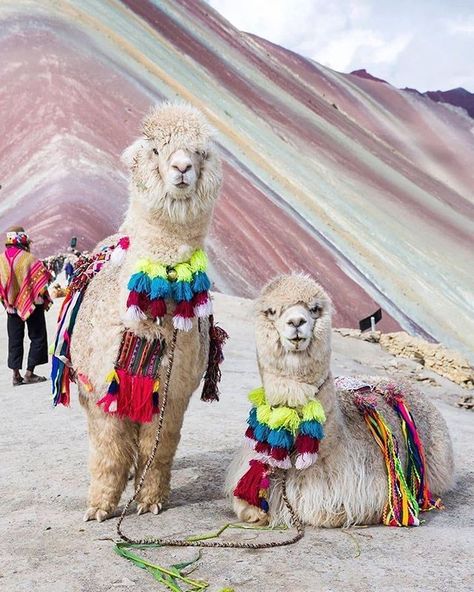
column 34, row 379
column 18, row 380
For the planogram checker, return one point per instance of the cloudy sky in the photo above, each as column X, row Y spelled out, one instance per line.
column 425, row 44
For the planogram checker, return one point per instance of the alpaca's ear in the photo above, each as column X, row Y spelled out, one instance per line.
column 130, row 154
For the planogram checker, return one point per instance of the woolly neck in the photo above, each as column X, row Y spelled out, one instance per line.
column 292, row 391
column 157, row 237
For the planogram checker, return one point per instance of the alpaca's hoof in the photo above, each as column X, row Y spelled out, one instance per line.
column 95, row 514
column 247, row 513
column 143, row 508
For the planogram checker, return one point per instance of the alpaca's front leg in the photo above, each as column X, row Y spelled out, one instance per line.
column 156, row 487
column 112, row 452
column 247, row 513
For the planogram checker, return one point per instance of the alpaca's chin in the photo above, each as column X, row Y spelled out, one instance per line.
column 292, row 346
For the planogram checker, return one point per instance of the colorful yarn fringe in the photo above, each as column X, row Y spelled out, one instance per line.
column 402, row 508
column 415, row 473
column 217, row 339
column 277, row 433
column 133, row 383
column 186, row 283
column 254, row 485
column 85, row 269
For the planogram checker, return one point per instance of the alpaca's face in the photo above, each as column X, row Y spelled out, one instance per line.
column 181, row 182
column 293, row 323
column 295, row 326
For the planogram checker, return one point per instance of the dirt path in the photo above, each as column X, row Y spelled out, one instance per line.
column 43, row 485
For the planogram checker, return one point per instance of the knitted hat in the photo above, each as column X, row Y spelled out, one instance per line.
column 16, row 236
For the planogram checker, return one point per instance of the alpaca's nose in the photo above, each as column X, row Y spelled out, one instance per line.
column 296, row 321
column 181, row 162
column 182, row 167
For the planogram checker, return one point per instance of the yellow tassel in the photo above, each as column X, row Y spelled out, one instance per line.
column 157, row 270
column 143, row 265
column 257, row 397
column 283, row 417
column 156, row 386
column 111, row 376
column 198, row 261
column 263, row 413
column 184, row 272
column 313, row 410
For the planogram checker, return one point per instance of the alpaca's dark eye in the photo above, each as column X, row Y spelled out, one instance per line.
column 270, row 312
column 155, row 150
column 202, row 153
column 315, row 309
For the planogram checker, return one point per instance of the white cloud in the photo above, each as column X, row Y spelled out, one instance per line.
column 427, row 44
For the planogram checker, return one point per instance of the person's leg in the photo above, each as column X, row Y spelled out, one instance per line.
column 38, row 353
column 16, row 334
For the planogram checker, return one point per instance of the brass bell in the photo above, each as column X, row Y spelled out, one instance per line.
column 172, row 275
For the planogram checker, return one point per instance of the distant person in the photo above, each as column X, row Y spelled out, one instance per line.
column 69, row 270
column 24, row 294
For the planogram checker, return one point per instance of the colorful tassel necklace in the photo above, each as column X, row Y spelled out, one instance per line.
column 186, row 283
column 276, row 434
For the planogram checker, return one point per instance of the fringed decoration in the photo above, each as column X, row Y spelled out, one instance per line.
column 158, row 308
column 254, row 485
column 61, row 370
column 186, row 283
column 133, row 384
column 275, row 433
column 202, row 305
column 217, row 339
column 402, row 508
column 416, row 464
column 183, row 316
column 118, row 254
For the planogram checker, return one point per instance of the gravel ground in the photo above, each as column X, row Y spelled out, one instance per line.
column 43, row 485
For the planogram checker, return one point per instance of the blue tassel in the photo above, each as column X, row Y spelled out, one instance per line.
column 201, row 282
column 312, row 428
column 182, row 291
column 261, row 432
column 264, row 505
column 280, row 439
column 113, row 388
column 252, row 420
column 144, row 284
column 57, row 370
column 134, row 281
column 160, row 288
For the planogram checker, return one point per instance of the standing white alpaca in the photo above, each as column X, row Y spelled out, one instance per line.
column 175, row 180
column 345, row 481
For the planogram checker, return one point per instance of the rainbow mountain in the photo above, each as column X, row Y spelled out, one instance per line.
column 367, row 187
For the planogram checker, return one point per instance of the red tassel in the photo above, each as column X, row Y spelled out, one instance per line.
column 279, row 453
column 124, row 243
column 200, row 298
column 158, row 308
column 248, row 487
column 144, row 302
column 262, row 447
column 184, row 309
column 108, row 403
column 135, row 399
column 133, row 299
column 306, row 443
column 249, row 433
